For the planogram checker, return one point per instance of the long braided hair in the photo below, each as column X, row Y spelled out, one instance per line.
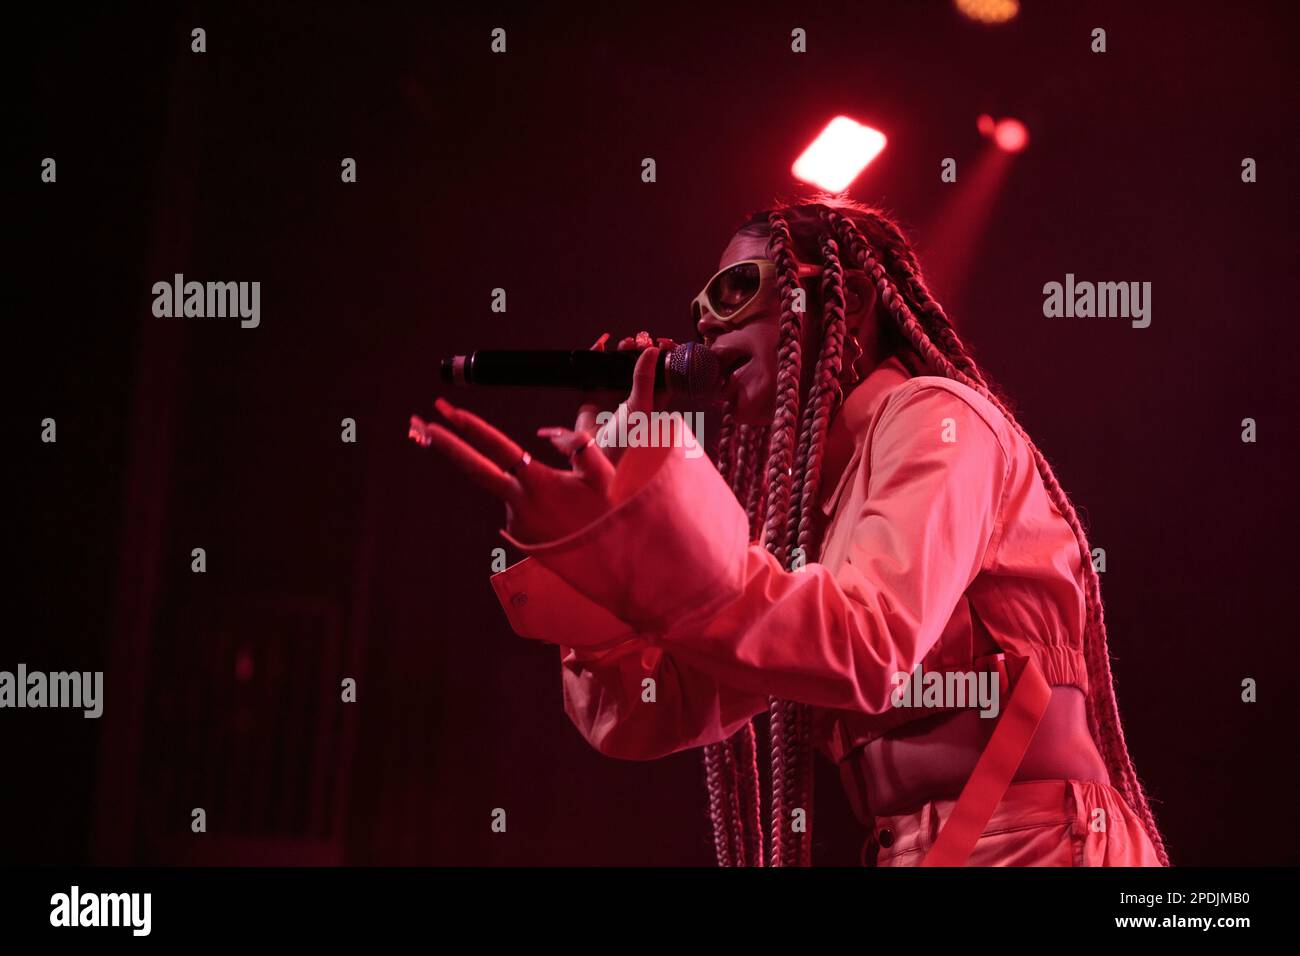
column 775, row 473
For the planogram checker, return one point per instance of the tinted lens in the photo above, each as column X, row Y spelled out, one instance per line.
column 733, row 288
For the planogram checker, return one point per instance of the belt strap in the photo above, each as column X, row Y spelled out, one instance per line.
column 995, row 768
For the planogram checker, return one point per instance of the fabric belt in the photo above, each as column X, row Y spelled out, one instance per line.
column 995, row 769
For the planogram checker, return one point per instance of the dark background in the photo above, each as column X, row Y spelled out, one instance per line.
column 522, row 171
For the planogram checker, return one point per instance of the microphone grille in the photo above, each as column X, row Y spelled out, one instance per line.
column 693, row 371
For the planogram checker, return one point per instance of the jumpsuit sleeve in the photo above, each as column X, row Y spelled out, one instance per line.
column 627, row 697
column 672, row 560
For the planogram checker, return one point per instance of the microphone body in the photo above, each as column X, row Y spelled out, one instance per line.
column 688, row 371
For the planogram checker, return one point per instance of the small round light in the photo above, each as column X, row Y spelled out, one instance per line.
column 988, row 11
column 1011, row 135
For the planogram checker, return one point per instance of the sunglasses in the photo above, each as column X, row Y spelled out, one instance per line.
column 738, row 291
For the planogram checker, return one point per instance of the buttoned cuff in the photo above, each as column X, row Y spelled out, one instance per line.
column 543, row 607
column 666, row 552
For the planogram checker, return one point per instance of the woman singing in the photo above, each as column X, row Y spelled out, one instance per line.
column 878, row 534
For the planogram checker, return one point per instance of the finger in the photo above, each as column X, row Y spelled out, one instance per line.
column 643, row 340
column 578, row 446
column 588, row 422
column 417, row 431
column 607, row 435
column 566, row 442
column 498, row 448
column 626, row 343
column 478, row 469
column 642, row 398
column 599, row 344
column 586, row 418
column 591, row 464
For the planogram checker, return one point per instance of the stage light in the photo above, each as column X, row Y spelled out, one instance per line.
column 985, row 125
column 1011, row 135
column 839, row 154
column 988, row 11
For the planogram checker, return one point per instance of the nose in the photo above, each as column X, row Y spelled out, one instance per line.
column 709, row 325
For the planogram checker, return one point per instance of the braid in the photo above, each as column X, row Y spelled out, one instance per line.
column 792, row 753
column 736, row 826
column 727, row 446
column 798, row 478
column 751, row 788
column 784, row 781
column 731, row 768
column 948, row 357
column 745, row 483
column 789, row 766
column 719, row 802
column 719, row 783
column 780, row 457
column 825, row 395
column 931, row 315
column 755, row 497
column 748, row 791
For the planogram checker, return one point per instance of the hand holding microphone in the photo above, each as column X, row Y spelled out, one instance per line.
column 545, row 503
column 640, row 399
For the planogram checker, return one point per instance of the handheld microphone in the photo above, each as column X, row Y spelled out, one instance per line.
column 689, row 371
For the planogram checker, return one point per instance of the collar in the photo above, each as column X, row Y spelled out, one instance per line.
column 843, row 439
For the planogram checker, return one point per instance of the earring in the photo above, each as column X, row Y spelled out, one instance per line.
column 852, row 352
column 838, row 391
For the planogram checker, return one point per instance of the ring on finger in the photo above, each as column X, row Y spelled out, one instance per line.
column 521, row 463
column 573, row 455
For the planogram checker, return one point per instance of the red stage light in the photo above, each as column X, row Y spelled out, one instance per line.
column 985, row 124
column 1011, row 135
column 839, row 153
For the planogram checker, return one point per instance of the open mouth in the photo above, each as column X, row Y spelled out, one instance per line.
column 730, row 361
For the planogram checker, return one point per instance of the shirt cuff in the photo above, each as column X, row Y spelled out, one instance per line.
column 542, row 607
column 667, row 549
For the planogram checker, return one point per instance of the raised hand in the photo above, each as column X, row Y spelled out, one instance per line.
column 542, row 503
